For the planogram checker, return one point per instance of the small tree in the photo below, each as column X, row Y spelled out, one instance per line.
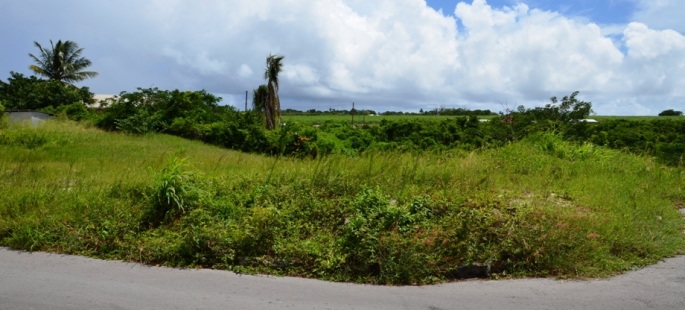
column 21, row 92
column 671, row 112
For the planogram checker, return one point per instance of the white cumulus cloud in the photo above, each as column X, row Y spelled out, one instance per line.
column 384, row 54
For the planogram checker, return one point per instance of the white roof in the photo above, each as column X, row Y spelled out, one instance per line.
column 98, row 98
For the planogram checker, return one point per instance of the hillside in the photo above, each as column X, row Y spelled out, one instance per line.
column 538, row 207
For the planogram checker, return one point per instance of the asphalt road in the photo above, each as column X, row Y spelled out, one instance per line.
column 52, row 281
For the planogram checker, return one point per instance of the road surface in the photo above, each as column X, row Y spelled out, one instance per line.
column 53, row 281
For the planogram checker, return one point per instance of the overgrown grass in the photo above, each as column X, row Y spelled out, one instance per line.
column 540, row 207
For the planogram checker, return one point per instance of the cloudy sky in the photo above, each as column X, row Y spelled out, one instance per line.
column 625, row 56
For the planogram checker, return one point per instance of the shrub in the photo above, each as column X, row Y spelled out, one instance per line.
column 671, row 112
column 139, row 123
column 553, row 144
column 32, row 93
column 176, row 190
column 4, row 119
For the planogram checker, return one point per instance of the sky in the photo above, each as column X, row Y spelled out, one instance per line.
column 627, row 57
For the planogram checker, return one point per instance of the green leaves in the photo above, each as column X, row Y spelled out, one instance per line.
column 176, row 190
column 272, row 109
column 30, row 93
column 62, row 62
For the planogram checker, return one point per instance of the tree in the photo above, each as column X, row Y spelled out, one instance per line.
column 273, row 105
column 62, row 62
column 671, row 112
column 30, row 93
column 260, row 95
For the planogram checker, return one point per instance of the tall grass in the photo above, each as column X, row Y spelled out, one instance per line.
column 540, row 207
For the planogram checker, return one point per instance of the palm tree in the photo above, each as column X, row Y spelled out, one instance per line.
column 273, row 105
column 260, row 95
column 62, row 62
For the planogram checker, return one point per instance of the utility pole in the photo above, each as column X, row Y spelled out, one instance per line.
column 352, row 112
column 246, row 101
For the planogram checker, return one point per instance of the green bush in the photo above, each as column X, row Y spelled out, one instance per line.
column 76, row 111
column 553, row 144
column 139, row 123
column 22, row 93
column 4, row 119
column 196, row 115
column 176, row 191
column 671, row 112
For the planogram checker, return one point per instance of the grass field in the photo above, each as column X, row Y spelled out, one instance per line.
column 540, row 207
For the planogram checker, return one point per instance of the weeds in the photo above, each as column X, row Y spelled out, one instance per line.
column 539, row 207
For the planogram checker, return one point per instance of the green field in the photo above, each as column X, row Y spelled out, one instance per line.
column 319, row 119
column 539, row 207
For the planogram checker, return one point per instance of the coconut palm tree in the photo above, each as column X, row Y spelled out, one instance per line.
column 273, row 104
column 260, row 95
column 62, row 62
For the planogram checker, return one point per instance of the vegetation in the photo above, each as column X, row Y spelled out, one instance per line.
column 438, row 111
column 537, row 207
column 62, row 62
column 411, row 200
column 196, row 115
column 367, row 119
column 671, row 112
column 30, row 93
column 4, row 121
column 260, row 96
column 272, row 108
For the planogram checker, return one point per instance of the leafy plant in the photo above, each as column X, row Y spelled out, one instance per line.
column 176, row 190
column 4, row 119
column 62, row 62
column 139, row 123
column 272, row 109
column 30, row 93
column 671, row 112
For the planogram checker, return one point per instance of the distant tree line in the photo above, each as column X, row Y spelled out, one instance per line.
column 437, row 111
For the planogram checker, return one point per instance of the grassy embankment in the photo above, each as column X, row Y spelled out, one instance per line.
column 540, row 207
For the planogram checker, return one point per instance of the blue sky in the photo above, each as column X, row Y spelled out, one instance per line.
column 598, row 11
column 625, row 56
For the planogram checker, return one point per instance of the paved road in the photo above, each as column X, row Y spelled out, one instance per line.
column 52, row 281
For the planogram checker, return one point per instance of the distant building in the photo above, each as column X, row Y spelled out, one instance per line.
column 32, row 117
column 99, row 99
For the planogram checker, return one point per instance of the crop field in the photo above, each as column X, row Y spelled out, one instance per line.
column 536, row 207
